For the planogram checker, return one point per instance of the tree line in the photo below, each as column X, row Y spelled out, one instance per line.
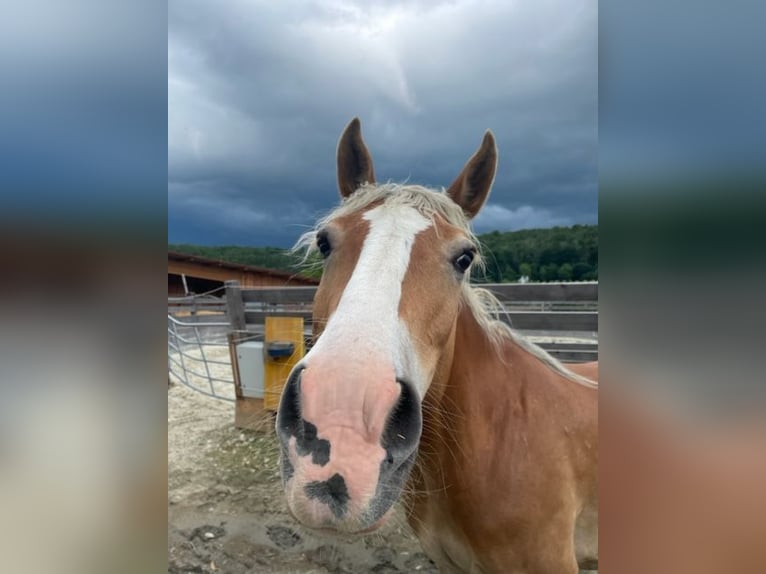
column 554, row 254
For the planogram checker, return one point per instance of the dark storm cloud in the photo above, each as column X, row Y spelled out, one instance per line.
column 258, row 95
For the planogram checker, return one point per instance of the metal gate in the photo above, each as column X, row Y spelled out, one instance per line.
column 198, row 354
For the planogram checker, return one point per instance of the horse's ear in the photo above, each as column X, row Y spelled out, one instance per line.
column 471, row 188
column 354, row 161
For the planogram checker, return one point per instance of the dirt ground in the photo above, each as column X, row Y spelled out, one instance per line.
column 227, row 513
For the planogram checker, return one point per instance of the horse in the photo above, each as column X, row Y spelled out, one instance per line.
column 414, row 390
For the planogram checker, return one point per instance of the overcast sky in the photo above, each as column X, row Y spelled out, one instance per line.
column 259, row 92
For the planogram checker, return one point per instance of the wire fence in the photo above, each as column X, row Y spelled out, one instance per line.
column 198, row 354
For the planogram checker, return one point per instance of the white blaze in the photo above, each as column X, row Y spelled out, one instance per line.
column 366, row 322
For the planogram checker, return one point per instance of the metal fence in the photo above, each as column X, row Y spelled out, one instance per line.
column 198, row 354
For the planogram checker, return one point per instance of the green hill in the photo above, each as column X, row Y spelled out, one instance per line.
column 555, row 254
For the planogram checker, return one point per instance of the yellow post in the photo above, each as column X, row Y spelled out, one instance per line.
column 277, row 368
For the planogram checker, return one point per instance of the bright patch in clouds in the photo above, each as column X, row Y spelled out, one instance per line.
column 258, row 93
column 497, row 217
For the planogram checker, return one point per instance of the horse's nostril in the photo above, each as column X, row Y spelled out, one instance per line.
column 402, row 434
column 289, row 412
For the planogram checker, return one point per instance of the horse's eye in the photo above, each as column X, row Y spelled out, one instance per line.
column 323, row 243
column 464, row 260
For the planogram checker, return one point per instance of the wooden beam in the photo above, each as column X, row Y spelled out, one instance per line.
column 554, row 321
column 561, row 292
column 250, row 414
column 202, row 271
column 584, row 346
column 259, row 317
column 544, row 291
column 235, row 308
column 279, row 295
column 575, row 356
column 524, row 321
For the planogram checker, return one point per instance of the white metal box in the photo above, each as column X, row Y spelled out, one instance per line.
column 250, row 358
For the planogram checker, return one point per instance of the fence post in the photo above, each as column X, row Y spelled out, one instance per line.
column 235, row 307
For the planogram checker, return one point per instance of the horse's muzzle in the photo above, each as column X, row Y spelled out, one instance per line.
column 345, row 456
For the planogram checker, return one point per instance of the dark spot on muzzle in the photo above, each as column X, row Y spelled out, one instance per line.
column 308, row 443
column 291, row 424
column 332, row 492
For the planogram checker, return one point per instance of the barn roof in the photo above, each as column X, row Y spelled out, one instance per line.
column 206, row 261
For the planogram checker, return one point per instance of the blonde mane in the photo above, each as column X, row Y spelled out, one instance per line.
column 483, row 304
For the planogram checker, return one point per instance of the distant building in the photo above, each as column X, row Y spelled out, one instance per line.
column 195, row 274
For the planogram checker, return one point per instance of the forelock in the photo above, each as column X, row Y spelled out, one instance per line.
column 429, row 202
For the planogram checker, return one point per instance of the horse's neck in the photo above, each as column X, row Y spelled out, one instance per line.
column 459, row 410
column 465, row 386
column 470, row 364
column 481, row 368
column 480, row 383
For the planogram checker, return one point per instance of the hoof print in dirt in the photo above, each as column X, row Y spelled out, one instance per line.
column 384, row 554
column 180, row 567
column 207, row 532
column 282, row 536
column 420, row 563
column 331, row 558
column 384, row 568
column 243, row 551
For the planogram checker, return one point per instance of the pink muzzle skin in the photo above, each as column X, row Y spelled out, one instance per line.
column 345, row 449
